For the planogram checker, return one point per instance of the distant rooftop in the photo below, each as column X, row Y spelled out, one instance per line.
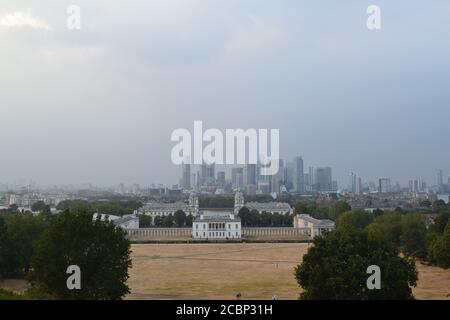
column 260, row 206
column 308, row 218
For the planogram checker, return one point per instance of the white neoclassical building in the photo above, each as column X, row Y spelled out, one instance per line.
column 216, row 225
column 161, row 209
column 271, row 207
column 126, row 222
column 316, row 226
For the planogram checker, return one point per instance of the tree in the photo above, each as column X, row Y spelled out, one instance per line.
column 425, row 203
column 99, row 248
column 438, row 204
column 357, row 218
column 320, row 211
column 13, row 208
column 41, row 207
column 338, row 208
column 336, row 267
column 391, row 225
column 75, row 206
column 23, row 229
column 6, row 256
column 145, row 221
column 7, row 295
column 377, row 212
column 441, row 221
column 158, row 221
column 244, row 215
column 179, row 218
column 167, row 221
column 413, row 236
column 441, row 249
column 189, row 220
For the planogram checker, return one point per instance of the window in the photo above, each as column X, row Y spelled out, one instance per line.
column 196, row 234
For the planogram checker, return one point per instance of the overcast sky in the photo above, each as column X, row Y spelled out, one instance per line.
column 99, row 104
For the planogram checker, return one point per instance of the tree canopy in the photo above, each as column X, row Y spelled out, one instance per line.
column 99, row 248
column 335, row 267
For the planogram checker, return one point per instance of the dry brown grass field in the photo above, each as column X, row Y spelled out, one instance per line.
column 219, row 271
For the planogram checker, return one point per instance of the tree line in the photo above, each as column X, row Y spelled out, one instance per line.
column 177, row 220
column 335, row 266
column 252, row 218
column 40, row 249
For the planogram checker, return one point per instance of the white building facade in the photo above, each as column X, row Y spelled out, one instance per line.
column 271, row 207
column 214, row 225
column 161, row 209
column 126, row 222
column 317, row 227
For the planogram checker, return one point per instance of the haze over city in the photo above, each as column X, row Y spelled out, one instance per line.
column 99, row 104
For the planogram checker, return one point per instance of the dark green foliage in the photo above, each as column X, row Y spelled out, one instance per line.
column 413, row 236
column 216, row 202
column 145, row 221
column 441, row 221
column 264, row 219
column 357, row 218
column 23, row 230
column 318, row 211
column 189, row 220
column 111, row 207
column 338, row 208
column 6, row 251
column 41, row 207
column 6, row 295
column 100, row 249
column 391, row 225
column 179, row 218
column 440, row 249
column 335, row 267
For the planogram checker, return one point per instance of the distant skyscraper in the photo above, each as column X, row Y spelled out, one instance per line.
column 237, row 178
column 136, row 189
column 359, row 187
column 221, row 179
column 289, row 174
column 311, row 178
column 186, row 176
column 207, row 174
column 276, row 183
column 384, row 185
column 355, row 184
column 250, row 175
column 324, row 179
column 413, row 186
column 440, row 180
column 299, row 182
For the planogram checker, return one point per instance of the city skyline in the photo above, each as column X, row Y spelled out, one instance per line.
column 98, row 105
column 239, row 176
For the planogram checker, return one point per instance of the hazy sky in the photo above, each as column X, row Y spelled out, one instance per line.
column 99, row 104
